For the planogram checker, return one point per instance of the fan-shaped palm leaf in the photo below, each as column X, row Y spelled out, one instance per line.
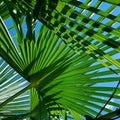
column 60, row 80
column 81, row 25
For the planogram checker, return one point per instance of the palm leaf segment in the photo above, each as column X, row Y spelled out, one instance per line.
column 55, row 71
column 86, row 26
column 11, row 83
column 74, row 22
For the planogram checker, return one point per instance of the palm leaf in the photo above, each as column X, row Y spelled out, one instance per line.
column 60, row 79
column 11, row 83
column 68, row 18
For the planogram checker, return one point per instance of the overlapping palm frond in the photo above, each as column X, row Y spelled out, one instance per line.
column 83, row 25
column 61, row 81
column 74, row 22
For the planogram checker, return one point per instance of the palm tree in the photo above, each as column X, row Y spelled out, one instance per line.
column 62, row 69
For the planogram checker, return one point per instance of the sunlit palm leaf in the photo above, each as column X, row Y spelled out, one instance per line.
column 81, row 25
column 11, row 83
column 62, row 80
column 67, row 19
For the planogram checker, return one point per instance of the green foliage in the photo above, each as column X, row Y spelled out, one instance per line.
column 54, row 74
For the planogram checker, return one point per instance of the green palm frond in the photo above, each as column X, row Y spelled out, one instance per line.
column 60, row 81
column 80, row 24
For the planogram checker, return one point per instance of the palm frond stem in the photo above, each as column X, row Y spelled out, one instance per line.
column 109, row 99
